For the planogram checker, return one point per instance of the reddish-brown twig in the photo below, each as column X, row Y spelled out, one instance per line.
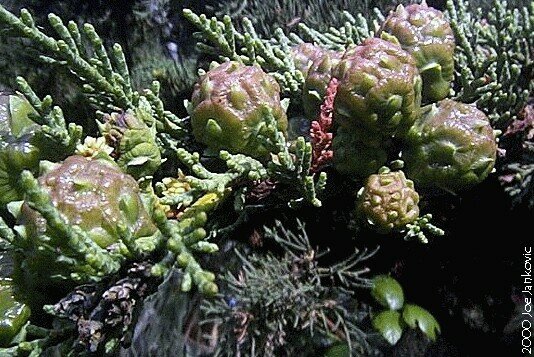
column 321, row 137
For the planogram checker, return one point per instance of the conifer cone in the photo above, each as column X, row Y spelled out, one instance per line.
column 379, row 89
column 96, row 196
column 388, row 201
column 452, row 146
column 228, row 106
column 425, row 33
column 317, row 79
column 100, row 310
column 305, row 54
column 135, row 148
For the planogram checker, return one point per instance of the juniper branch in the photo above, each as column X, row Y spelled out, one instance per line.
column 354, row 30
column 104, row 75
column 288, row 14
column 222, row 39
column 241, row 168
column 518, row 177
column 493, row 57
column 417, row 229
column 292, row 168
column 51, row 119
column 179, row 234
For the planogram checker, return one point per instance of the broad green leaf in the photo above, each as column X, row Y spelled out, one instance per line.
column 13, row 314
column 14, row 115
column 415, row 316
column 388, row 292
column 390, row 325
column 20, row 111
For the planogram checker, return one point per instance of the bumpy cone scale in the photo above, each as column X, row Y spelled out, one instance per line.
column 228, row 104
column 379, row 88
column 425, row 33
column 94, row 195
column 388, row 201
column 318, row 76
column 305, row 54
column 452, row 146
column 134, row 142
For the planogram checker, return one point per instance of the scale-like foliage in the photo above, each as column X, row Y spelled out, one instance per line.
column 493, row 57
column 104, row 75
column 319, row 15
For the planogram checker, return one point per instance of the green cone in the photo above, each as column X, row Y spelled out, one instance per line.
column 93, row 195
column 134, row 141
column 305, row 54
column 96, row 196
column 425, row 33
column 388, row 201
column 319, row 74
column 228, row 104
column 379, row 88
column 452, row 146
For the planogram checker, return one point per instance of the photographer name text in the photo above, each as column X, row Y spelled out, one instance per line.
column 526, row 323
